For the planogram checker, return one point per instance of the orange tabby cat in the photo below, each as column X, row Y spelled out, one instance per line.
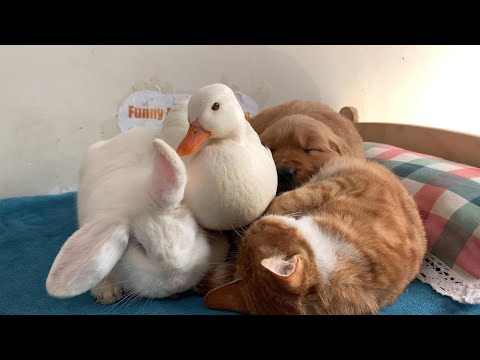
column 347, row 242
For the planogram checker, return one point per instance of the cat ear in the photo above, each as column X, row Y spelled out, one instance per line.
column 290, row 271
column 283, row 268
column 227, row 297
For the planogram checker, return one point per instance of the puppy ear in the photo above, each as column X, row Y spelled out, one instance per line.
column 339, row 145
column 350, row 112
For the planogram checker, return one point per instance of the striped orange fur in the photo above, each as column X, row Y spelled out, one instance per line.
column 347, row 242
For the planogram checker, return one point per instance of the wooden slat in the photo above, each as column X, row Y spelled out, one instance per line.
column 450, row 145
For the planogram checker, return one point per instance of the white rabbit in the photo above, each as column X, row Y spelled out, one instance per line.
column 135, row 232
column 175, row 125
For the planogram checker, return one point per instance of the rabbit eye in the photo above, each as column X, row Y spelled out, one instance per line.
column 216, row 106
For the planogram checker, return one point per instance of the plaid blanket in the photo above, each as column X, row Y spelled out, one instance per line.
column 448, row 197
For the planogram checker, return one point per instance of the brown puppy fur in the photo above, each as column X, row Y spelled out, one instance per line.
column 302, row 136
column 352, row 242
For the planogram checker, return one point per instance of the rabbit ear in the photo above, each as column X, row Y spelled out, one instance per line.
column 86, row 258
column 169, row 176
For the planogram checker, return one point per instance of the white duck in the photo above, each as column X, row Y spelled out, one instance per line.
column 232, row 176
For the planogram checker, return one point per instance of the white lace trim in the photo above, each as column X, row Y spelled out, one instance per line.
column 456, row 284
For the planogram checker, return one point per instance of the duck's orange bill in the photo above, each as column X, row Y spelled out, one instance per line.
column 196, row 135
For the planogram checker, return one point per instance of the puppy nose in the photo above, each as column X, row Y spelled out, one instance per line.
column 285, row 173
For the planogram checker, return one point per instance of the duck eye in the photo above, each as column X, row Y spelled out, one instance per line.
column 215, row 106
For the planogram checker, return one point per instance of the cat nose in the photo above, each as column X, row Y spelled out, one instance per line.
column 286, row 173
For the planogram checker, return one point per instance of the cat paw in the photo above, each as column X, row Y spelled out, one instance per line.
column 107, row 292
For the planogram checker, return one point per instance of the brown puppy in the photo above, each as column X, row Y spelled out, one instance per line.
column 302, row 136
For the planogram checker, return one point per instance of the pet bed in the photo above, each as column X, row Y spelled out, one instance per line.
column 32, row 230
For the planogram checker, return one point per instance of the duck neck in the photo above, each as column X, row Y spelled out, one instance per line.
column 236, row 134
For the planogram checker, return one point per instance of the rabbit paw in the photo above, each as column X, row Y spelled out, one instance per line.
column 107, row 291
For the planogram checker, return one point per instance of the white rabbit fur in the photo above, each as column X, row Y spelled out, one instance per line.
column 135, row 232
column 176, row 125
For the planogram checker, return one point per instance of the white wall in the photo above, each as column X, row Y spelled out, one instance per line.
column 55, row 100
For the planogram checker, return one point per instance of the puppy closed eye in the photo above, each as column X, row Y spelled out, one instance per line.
column 312, row 151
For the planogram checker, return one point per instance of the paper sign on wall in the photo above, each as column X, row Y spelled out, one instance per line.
column 148, row 108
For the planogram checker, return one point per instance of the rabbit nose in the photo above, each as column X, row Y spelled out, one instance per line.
column 286, row 173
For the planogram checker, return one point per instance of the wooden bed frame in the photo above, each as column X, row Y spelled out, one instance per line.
column 447, row 144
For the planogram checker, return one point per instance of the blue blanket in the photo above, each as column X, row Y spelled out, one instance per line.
column 32, row 230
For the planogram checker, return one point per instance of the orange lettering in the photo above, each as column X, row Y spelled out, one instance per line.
column 153, row 114
column 146, row 113
column 130, row 111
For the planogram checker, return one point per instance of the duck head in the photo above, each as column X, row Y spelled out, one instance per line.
column 213, row 112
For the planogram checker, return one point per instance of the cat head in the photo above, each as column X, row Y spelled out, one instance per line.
column 276, row 271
